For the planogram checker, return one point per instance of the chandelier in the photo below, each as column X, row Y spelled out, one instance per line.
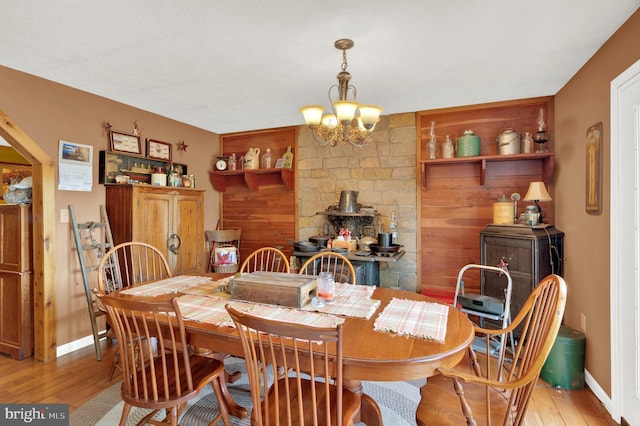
column 350, row 121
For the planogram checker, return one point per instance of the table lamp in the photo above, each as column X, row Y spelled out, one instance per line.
column 537, row 192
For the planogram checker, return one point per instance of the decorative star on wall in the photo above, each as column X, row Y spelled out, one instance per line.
column 182, row 146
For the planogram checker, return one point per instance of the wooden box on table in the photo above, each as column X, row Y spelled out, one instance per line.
column 275, row 288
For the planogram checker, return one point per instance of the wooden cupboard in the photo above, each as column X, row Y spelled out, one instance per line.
column 16, row 281
column 169, row 218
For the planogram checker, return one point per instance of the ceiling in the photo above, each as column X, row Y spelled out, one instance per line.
column 236, row 65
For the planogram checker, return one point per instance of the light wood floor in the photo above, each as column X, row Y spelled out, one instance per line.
column 76, row 377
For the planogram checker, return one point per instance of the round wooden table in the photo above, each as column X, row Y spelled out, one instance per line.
column 368, row 355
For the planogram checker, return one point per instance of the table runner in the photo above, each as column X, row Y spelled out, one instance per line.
column 350, row 300
column 419, row 319
column 166, row 286
column 351, row 290
column 211, row 310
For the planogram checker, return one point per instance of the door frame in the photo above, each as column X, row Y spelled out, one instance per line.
column 43, row 210
column 623, row 252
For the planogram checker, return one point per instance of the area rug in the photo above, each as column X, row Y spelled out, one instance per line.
column 397, row 401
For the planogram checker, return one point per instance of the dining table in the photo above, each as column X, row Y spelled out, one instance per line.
column 369, row 354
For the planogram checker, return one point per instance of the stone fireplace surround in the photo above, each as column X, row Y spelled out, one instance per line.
column 384, row 172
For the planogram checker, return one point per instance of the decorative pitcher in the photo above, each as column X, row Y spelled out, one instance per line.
column 252, row 159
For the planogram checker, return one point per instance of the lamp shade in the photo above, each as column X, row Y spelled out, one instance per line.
column 537, row 192
column 312, row 114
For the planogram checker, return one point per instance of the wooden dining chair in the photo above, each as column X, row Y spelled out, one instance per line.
column 222, row 238
column 158, row 370
column 328, row 261
column 311, row 393
column 266, row 259
column 124, row 265
column 504, row 398
column 131, row 263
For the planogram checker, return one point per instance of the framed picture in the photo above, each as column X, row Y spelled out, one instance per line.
column 125, row 142
column 593, row 196
column 280, row 163
column 158, row 150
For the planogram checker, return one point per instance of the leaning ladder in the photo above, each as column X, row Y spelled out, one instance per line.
column 93, row 240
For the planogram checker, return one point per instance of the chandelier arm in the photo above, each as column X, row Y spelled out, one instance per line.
column 317, row 139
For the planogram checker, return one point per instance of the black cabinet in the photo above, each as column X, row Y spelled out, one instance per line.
column 531, row 252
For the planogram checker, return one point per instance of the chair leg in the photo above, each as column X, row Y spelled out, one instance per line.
column 466, row 409
column 223, row 413
column 125, row 414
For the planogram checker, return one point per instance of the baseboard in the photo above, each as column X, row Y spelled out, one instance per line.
column 598, row 391
column 75, row 345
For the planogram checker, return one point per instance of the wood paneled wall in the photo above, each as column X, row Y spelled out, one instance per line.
column 268, row 216
column 454, row 206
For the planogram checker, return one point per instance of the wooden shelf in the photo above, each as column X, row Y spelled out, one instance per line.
column 547, row 159
column 253, row 179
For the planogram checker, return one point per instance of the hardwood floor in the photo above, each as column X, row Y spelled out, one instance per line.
column 77, row 377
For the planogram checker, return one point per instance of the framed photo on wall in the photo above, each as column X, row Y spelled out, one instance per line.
column 125, row 142
column 158, row 150
column 593, row 201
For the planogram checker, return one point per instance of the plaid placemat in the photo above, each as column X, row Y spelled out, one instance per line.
column 347, row 306
column 211, row 310
column 420, row 319
column 166, row 286
column 351, row 290
column 350, row 301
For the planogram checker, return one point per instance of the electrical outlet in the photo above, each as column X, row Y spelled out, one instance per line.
column 583, row 322
column 64, row 215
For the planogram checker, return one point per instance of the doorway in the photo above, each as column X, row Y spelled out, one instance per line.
column 625, row 246
column 43, row 210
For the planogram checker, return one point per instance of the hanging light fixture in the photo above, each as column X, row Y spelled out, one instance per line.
column 350, row 121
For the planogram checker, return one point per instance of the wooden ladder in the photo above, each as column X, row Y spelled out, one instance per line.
column 93, row 240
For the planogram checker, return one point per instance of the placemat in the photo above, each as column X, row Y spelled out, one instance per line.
column 166, row 286
column 354, row 290
column 347, row 306
column 419, row 319
column 212, row 310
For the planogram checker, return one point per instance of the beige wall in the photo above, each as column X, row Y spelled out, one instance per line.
column 50, row 112
column 581, row 103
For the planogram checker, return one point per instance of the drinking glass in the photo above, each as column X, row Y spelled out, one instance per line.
column 326, row 286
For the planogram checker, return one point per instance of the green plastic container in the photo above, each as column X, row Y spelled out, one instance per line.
column 564, row 367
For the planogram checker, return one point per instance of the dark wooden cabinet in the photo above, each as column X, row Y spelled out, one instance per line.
column 16, row 281
column 531, row 253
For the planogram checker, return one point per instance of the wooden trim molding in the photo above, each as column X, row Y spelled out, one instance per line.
column 44, row 191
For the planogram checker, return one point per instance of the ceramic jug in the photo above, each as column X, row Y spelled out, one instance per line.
column 252, row 159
